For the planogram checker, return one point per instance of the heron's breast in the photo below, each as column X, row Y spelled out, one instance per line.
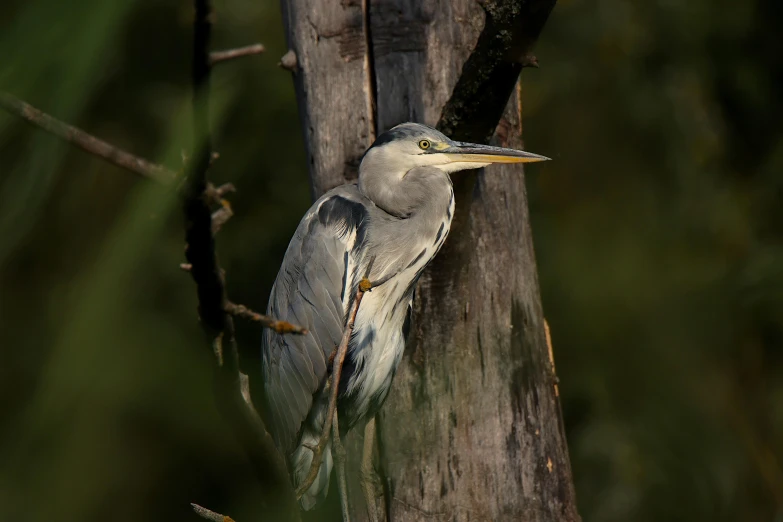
column 378, row 343
column 379, row 340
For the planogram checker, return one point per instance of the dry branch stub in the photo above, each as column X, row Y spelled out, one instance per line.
column 288, row 61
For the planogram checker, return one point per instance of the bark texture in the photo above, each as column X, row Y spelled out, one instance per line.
column 333, row 86
column 472, row 428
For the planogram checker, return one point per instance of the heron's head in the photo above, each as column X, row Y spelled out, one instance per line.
column 411, row 145
column 408, row 166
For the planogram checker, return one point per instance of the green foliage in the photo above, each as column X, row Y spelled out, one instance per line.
column 657, row 228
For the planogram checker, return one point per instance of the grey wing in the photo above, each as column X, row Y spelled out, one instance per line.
column 310, row 290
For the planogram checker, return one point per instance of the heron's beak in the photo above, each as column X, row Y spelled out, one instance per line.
column 474, row 153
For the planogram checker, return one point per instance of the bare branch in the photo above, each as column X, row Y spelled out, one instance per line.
column 208, row 514
column 85, row 141
column 334, row 386
column 199, row 238
column 202, row 260
column 488, row 77
column 366, row 469
column 247, row 425
column 281, row 327
column 216, row 57
column 115, row 155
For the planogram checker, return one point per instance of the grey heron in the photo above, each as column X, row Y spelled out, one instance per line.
column 399, row 214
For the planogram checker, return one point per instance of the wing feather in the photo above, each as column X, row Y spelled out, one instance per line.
column 310, row 291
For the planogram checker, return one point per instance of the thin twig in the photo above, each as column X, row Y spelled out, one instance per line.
column 366, row 470
column 334, row 383
column 216, row 57
column 339, row 459
column 208, row 514
column 221, row 216
column 85, row 141
column 281, row 327
column 216, row 196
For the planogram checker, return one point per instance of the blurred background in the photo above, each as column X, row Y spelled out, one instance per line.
column 658, row 232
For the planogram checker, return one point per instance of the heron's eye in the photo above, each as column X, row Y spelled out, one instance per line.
column 424, row 144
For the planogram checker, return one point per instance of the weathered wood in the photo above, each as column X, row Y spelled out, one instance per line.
column 471, row 428
column 418, row 52
column 333, row 86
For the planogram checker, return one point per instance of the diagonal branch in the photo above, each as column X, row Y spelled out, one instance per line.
column 334, row 388
column 85, row 141
column 336, row 361
column 505, row 46
column 208, row 514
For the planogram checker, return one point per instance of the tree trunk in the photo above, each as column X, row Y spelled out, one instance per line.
column 472, row 428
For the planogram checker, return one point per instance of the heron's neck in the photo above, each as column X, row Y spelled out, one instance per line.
column 436, row 202
column 420, row 192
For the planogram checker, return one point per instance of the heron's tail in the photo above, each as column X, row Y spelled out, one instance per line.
column 302, row 459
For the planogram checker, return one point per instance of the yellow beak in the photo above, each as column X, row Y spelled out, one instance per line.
column 474, row 153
